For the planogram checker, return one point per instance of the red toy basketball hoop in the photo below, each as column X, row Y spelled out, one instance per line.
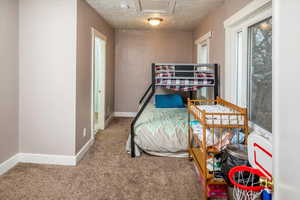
column 246, row 181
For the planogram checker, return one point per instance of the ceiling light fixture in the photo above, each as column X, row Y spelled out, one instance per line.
column 266, row 26
column 155, row 21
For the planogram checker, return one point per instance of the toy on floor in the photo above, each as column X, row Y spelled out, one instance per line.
column 255, row 182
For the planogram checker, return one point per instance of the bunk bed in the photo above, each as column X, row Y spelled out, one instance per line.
column 176, row 77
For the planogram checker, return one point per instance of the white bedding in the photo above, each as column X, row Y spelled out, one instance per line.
column 161, row 132
column 214, row 136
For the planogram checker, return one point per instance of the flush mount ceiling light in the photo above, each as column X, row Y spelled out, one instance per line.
column 266, row 26
column 155, row 21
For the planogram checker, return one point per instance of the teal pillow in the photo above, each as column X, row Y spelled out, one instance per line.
column 168, row 101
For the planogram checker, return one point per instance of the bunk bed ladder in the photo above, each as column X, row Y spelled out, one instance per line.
column 152, row 89
column 216, row 86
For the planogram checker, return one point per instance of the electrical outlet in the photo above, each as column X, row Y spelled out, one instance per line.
column 84, row 132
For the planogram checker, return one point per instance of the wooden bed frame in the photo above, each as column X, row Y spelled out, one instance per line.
column 200, row 154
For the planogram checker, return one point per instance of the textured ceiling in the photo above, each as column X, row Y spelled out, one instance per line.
column 177, row 14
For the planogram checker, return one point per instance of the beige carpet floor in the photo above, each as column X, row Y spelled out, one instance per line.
column 106, row 173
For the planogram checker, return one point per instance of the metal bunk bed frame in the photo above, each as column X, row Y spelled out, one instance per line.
column 153, row 86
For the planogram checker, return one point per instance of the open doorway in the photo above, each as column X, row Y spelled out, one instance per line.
column 98, row 80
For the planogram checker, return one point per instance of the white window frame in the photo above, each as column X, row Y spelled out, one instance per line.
column 203, row 40
column 236, row 78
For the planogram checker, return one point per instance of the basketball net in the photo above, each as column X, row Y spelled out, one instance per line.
column 246, row 181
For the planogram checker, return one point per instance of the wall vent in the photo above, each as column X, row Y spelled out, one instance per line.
column 148, row 7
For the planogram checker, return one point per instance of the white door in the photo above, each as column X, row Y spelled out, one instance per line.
column 98, row 82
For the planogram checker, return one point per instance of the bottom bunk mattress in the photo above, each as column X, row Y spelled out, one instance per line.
column 161, row 132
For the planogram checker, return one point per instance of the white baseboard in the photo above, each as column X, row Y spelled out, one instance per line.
column 8, row 164
column 47, row 159
column 108, row 120
column 84, row 149
column 125, row 114
column 37, row 159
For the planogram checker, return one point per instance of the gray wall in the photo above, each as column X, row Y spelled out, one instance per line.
column 47, row 76
column 214, row 22
column 54, row 74
column 87, row 18
column 8, row 78
column 136, row 50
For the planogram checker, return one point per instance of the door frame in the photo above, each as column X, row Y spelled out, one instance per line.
column 96, row 33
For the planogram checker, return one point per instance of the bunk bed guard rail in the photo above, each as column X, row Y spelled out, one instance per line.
column 178, row 77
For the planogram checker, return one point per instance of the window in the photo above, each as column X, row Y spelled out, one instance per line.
column 203, row 44
column 239, row 66
column 248, row 75
column 203, row 52
column 260, row 74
